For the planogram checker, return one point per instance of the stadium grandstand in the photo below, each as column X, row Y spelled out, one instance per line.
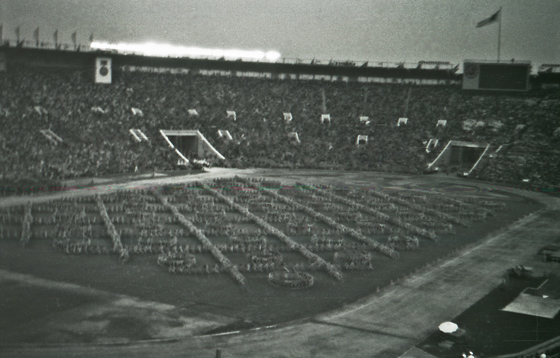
column 58, row 122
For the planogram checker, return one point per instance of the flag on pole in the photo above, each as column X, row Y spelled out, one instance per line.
column 91, row 38
column 492, row 19
column 74, row 39
column 55, row 38
column 36, row 36
column 17, row 34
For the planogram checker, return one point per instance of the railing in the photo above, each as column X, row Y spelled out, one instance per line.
column 444, row 65
column 518, row 62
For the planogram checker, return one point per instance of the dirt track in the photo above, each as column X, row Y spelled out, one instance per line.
column 105, row 187
column 387, row 324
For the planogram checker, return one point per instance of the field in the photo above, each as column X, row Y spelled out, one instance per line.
column 210, row 247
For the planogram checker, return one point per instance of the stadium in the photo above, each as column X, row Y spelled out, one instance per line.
column 185, row 206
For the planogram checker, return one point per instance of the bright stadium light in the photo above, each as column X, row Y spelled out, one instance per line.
column 166, row 50
column 272, row 56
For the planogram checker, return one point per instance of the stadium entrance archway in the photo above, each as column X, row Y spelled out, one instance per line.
column 190, row 145
column 465, row 154
column 461, row 155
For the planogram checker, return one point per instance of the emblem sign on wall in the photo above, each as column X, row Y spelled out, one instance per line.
column 103, row 70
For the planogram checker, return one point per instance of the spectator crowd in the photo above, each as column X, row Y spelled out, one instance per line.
column 93, row 123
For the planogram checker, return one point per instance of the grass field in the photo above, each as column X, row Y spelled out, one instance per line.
column 300, row 215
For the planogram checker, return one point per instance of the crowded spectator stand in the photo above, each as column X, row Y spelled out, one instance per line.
column 58, row 124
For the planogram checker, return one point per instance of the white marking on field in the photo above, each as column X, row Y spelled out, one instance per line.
column 225, row 334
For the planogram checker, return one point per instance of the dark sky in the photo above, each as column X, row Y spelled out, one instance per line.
column 359, row 30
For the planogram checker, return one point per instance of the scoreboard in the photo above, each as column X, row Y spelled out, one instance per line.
column 496, row 76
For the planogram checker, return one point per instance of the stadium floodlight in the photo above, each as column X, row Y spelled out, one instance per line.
column 272, row 56
column 167, row 50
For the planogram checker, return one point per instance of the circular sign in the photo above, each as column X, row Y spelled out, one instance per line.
column 103, row 71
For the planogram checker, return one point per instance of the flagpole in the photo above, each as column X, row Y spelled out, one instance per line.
column 499, row 34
